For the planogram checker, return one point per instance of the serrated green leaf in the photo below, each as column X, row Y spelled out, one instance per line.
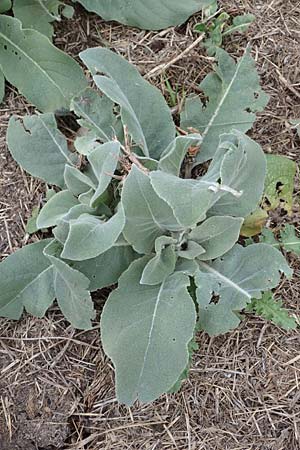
column 147, row 215
column 104, row 160
column 71, row 290
column 45, row 75
column 240, row 24
column 237, row 277
column 289, row 241
column 145, row 331
column 151, row 126
column 106, row 269
column 38, row 14
column 162, row 264
column 141, row 14
column 217, row 235
column 172, row 158
column 24, row 280
column 55, row 209
column 39, row 147
column 89, row 236
column 271, row 309
column 76, row 181
column 234, row 97
column 280, row 183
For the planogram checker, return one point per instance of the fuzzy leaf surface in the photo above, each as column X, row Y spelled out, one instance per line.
column 172, row 158
column 71, row 290
column 106, row 269
column 234, row 97
column 38, row 15
column 243, row 168
column 96, row 115
column 217, row 235
column 149, row 121
column 24, row 280
column 162, row 264
column 39, row 147
column 89, row 236
column 45, row 75
column 76, row 181
column 145, row 331
column 104, row 160
column 147, row 215
column 240, row 275
column 141, row 14
column 55, row 209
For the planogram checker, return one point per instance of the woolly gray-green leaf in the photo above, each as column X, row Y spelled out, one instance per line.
column 189, row 199
column 71, row 290
column 149, row 121
column 142, row 14
column 217, row 235
column 97, row 116
column 234, row 97
column 56, row 208
column 191, row 251
column 173, row 156
column 45, row 75
column 38, row 14
column 243, row 169
column 147, row 215
column 162, row 264
column 104, row 160
column 237, row 277
column 24, row 278
column 76, row 181
column 145, row 331
column 89, row 236
column 39, row 147
column 5, row 6
column 106, row 269
column 61, row 231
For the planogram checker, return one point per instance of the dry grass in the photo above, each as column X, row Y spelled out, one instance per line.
column 57, row 387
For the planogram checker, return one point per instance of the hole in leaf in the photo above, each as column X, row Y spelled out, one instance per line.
column 279, row 186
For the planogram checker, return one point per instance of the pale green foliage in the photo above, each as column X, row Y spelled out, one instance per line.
column 5, row 6
column 152, row 15
column 2, row 86
column 234, row 97
column 39, row 14
column 271, row 309
column 288, row 240
column 128, row 215
column 45, row 75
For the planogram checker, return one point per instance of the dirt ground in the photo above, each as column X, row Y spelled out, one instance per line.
column 56, row 385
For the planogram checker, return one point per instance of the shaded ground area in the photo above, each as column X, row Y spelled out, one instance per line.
column 56, row 386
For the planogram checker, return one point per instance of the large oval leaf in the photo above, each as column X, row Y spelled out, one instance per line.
column 26, row 278
column 154, row 15
column 45, row 75
column 236, row 278
column 39, row 147
column 145, row 331
column 143, row 108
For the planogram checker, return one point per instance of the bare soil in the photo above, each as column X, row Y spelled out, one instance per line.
column 56, row 385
